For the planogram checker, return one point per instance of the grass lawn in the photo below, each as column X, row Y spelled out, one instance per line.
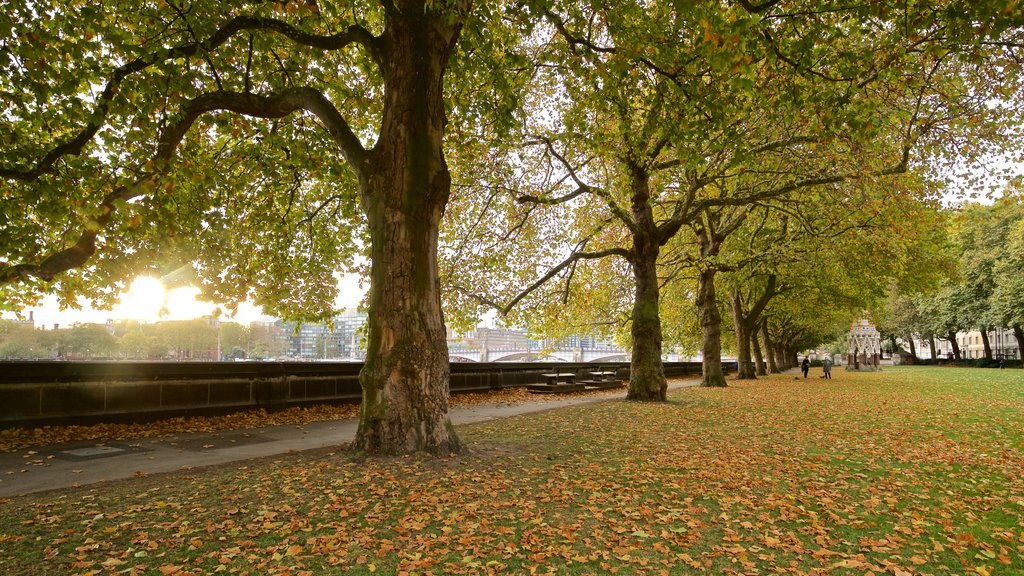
column 908, row 471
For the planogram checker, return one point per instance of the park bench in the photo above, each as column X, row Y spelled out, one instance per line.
column 557, row 382
column 566, row 382
column 601, row 380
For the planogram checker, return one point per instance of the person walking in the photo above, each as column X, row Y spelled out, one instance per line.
column 826, row 368
column 805, row 366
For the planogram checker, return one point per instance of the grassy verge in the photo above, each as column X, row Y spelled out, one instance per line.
column 908, row 471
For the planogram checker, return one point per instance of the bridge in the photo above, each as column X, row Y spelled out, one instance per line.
column 523, row 354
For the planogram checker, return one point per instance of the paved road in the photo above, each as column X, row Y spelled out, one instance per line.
column 71, row 465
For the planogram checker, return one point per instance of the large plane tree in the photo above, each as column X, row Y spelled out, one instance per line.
column 254, row 148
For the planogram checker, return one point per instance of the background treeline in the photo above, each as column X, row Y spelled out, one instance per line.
column 131, row 340
column 983, row 292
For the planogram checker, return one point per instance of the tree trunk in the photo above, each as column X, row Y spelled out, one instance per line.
column 711, row 325
column 951, row 336
column 760, row 368
column 744, row 368
column 985, row 343
column 780, row 357
column 931, row 347
column 647, row 374
column 913, row 347
column 769, row 348
column 1018, row 333
column 405, row 377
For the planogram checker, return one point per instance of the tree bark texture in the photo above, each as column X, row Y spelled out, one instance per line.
column 711, row 326
column 744, row 367
column 407, row 184
column 760, row 368
column 780, row 358
column 1018, row 333
column 951, row 336
column 647, row 374
column 792, row 356
column 985, row 343
column 769, row 348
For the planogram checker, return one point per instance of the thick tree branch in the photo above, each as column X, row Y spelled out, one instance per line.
column 771, row 290
column 575, row 41
column 352, row 35
column 582, row 187
column 551, row 201
column 275, row 106
column 682, row 213
column 278, row 105
column 570, row 261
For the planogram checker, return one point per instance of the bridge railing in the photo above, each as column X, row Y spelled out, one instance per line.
column 42, row 392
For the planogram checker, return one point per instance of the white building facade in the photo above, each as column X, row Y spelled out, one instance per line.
column 1002, row 341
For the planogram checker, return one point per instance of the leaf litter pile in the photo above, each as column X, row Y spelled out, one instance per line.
column 912, row 471
column 12, row 439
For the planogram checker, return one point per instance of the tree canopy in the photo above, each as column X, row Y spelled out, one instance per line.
column 260, row 149
column 649, row 120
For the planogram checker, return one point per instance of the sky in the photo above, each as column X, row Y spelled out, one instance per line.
column 149, row 301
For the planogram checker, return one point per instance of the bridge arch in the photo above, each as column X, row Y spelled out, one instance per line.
column 612, row 358
column 527, row 357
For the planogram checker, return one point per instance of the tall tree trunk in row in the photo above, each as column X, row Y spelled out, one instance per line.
column 931, row 347
column 985, row 343
column 746, row 322
column 913, row 347
column 780, row 356
column 405, row 377
column 707, row 309
column 769, row 348
column 744, row 366
column 759, row 366
column 647, row 373
column 711, row 326
column 1018, row 333
column 951, row 337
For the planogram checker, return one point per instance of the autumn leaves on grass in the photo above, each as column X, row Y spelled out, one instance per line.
column 911, row 471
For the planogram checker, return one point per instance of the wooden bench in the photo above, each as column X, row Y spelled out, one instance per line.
column 557, row 378
column 557, row 382
column 601, row 380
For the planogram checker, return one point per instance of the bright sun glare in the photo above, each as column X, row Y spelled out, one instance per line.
column 143, row 300
column 148, row 300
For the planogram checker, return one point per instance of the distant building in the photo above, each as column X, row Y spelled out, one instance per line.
column 339, row 339
column 1002, row 341
column 496, row 338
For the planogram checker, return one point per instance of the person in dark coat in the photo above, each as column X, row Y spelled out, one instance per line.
column 826, row 368
column 805, row 366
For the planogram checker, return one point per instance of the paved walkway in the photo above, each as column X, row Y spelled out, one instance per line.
column 71, row 465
